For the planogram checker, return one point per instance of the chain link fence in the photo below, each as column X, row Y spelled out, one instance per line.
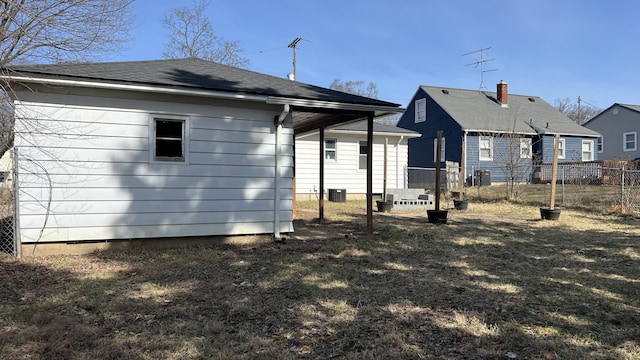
column 8, row 238
column 593, row 186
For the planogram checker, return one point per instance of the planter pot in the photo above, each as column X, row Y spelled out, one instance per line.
column 437, row 216
column 384, row 206
column 461, row 204
column 549, row 214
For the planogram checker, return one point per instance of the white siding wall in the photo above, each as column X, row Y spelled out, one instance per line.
column 343, row 173
column 93, row 162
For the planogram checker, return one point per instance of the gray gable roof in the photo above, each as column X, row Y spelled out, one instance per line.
column 190, row 73
column 480, row 111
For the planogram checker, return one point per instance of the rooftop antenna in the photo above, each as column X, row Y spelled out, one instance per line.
column 293, row 45
column 481, row 61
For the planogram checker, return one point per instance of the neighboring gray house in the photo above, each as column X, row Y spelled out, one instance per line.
column 619, row 126
column 166, row 148
column 496, row 127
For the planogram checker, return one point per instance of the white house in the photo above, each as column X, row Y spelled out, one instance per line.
column 157, row 149
column 345, row 160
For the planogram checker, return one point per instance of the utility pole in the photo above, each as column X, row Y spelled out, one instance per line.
column 293, row 45
column 579, row 111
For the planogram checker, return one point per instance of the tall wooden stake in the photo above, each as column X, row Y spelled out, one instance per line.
column 438, row 160
column 384, row 177
column 370, row 174
column 554, row 172
column 321, row 180
column 462, row 168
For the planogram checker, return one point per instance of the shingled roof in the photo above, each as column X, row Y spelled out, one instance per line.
column 190, row 73
column 312, row 106
column 480, row 111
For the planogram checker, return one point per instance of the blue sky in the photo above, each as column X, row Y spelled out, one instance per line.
column 547, row 48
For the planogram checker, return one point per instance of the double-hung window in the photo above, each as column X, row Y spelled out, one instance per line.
column 169, row 139
column 362, row 155
column 600, row 144
column 561, row 148
column 485, row 148
column 421, row 110
column 587, row 150
column 630, row 141
column 330, row 149
column 525, row 148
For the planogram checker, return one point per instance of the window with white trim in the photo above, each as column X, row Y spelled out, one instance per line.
column 362, row 155
column 587, row 150
column 485, row 147
column 330, row 149
column 630, row 141
column 561, row 149
column 600, row 144
column 421, row 110
column 525, row 148
column 435, row 150
column 169, row 140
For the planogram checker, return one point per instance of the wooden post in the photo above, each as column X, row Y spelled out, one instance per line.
column 321, row 180
column 384, row 176
column 554, row 172
column 462, row 169
column 438, row 160
column 370, row 174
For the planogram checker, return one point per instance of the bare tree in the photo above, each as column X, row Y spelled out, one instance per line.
column 46, row 31
column 358, row 87
column 191, row 35
column 579, row 112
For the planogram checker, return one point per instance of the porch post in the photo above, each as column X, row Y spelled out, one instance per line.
column 370, row 174
column 321, row 180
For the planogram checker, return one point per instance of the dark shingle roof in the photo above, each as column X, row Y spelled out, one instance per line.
column 361, row 126
column 191, row 73
column 480, row 111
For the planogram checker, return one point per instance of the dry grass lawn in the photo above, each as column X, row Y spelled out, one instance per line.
column 493, row 283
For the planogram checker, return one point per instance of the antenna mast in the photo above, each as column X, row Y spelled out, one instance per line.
column 481, row 61
column 293, row 45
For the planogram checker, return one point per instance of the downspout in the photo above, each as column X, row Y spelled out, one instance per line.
column 466, row 163
column 397, row 162
column 278, row 121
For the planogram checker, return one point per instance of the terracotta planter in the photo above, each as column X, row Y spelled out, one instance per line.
column 461, row 204
column 549, row 214
column 437, row 216
column 384, row 206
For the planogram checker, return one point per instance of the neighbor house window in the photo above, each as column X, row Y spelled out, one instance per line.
column 435, row 150
column 561, row 149
column 486, row 147
column 587, row 150
column 169, row 139
column 330, row 149
column 525, row 148
column 421, row 110
column 600, row 144
column 630, row 140
column 362, row 155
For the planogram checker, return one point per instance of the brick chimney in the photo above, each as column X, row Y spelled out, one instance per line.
column 502, row 95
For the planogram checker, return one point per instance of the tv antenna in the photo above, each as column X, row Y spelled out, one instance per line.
column 293, row 45
column 480, row 62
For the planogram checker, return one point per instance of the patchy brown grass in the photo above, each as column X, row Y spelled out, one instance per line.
column 493, row 281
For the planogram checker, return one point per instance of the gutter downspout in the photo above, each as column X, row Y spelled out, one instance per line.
column 466, row 163
column 278, row 121
column 397, row 161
